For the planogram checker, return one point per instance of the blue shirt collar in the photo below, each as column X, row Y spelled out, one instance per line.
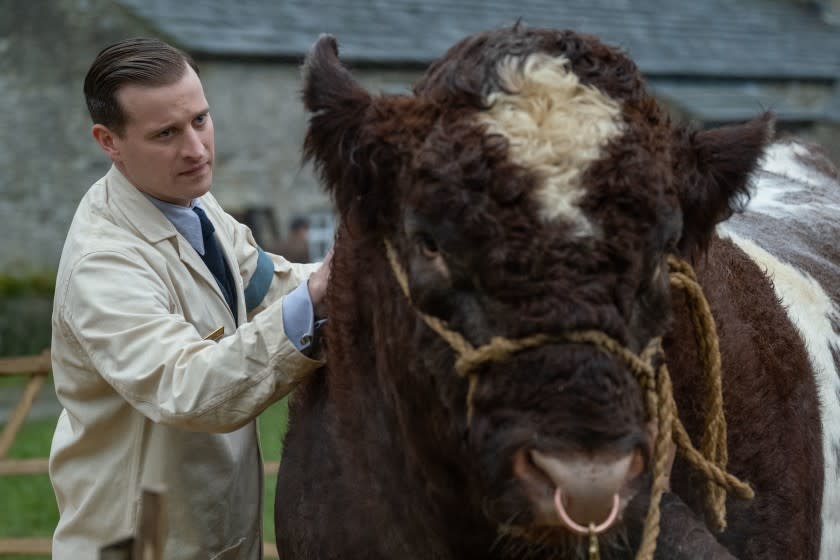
column 184, row 220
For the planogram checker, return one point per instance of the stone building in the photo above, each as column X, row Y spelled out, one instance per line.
column 711, row 61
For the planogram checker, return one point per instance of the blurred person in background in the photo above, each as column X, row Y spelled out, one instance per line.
column 296, row 245
column 172, row 329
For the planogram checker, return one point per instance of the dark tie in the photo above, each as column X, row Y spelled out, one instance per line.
column 215, row 260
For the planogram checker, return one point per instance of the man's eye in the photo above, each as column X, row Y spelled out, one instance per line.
column 201, row 119
column 166, row 133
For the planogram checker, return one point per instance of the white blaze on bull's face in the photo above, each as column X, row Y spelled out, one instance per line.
column 556, row 126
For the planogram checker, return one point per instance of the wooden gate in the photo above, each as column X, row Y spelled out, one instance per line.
column 37, row 368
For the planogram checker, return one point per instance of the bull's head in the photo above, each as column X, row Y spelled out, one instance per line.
column 530, row 185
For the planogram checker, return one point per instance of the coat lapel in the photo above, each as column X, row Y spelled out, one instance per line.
column 193, row 261
column 154, row 227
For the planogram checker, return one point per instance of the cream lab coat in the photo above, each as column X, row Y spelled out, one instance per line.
column 147, row 400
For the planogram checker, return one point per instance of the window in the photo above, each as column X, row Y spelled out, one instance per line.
column 321, row 234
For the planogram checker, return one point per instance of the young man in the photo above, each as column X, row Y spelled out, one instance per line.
column 172, row 329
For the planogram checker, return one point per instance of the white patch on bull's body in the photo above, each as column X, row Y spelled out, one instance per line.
column 784, row 174
column 556, row 126
column 789, row 221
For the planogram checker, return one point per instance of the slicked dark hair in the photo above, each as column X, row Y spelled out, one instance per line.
column 140, row 60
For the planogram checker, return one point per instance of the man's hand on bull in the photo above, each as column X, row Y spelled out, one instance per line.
column 317, row 285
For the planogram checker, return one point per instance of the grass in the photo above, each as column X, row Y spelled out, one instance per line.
column 13, row 381
column 272, row 425
column 29, row 508
column 28, row 504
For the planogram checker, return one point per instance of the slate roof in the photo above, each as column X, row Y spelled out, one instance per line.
column 743, row 38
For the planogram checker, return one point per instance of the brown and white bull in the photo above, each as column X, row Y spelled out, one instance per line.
column 532, row 187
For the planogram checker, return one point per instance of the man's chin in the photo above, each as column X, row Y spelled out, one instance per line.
column 201, row 191
column 198, row 188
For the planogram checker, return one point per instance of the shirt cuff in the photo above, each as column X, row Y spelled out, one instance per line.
column 299, row 319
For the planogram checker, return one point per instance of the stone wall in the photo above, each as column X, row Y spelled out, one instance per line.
column 47, row 155
column 48, row 158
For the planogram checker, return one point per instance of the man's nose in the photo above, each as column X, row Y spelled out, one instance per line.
column 193, row 146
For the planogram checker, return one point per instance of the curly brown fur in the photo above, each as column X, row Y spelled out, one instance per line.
column 380, row 461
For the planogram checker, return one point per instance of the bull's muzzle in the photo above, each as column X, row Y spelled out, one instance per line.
column 577, row 490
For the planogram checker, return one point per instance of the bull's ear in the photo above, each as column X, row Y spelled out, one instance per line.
column 336, row 138
column 714, row 172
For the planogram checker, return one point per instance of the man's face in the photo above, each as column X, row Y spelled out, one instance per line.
column 166, row 149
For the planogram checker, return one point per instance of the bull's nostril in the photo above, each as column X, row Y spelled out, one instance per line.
column 588, row 483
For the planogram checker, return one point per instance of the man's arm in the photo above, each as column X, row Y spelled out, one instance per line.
column 120, row 312
column 259, row 269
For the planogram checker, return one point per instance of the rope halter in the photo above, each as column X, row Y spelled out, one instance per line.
column 656, row 386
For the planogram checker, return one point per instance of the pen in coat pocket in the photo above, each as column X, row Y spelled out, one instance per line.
column 216, row 335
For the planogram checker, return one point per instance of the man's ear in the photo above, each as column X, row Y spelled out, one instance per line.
column 106, row 139
column 713, row 171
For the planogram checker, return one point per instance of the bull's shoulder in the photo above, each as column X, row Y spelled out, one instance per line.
column 792, row 215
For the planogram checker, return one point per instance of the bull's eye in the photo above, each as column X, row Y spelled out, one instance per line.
column 428, row 246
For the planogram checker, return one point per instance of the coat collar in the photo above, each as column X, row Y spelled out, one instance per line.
column 136, row 209
column 150, row 223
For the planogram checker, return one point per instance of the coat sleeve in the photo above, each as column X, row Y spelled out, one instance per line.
column 121, row 312
column 262, row 272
